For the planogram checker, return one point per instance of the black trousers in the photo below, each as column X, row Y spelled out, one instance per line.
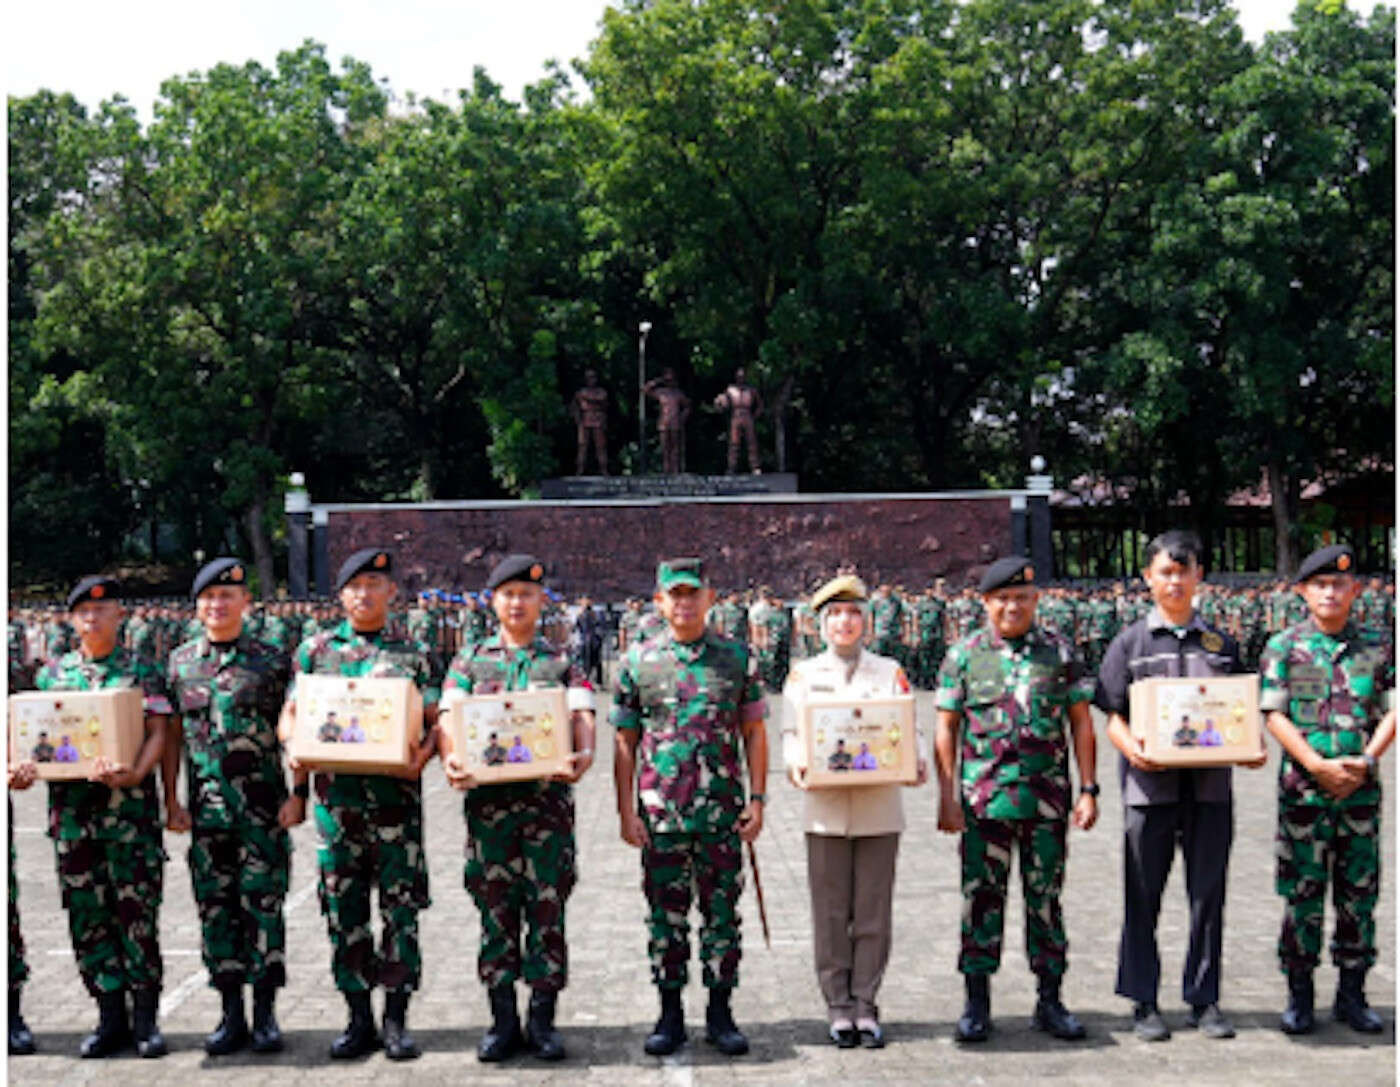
column 1151, row 835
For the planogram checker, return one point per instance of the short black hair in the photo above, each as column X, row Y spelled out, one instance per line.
column 1181, row 545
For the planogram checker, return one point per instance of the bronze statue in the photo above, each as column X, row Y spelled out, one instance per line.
column 590, row 412
column 744, row 405
column 675, row 410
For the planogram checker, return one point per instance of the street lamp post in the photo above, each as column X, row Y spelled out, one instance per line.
column 644, row 328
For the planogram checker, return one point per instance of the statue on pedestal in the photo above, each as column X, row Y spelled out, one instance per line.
column 675, row 410
column 744, row 405
column 590, row 412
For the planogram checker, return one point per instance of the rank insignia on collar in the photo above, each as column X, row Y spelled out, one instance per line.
column 1212, row 642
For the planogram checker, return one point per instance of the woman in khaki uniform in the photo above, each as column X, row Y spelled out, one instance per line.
column 852, row 832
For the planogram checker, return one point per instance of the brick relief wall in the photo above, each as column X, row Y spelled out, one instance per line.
column 611, row 551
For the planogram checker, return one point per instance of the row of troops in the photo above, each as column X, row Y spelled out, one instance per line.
column 690, row 769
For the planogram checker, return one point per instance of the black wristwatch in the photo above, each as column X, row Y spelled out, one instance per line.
column 302, row 791
column 762, row 798
column 1090, row 790
column 1372, row 766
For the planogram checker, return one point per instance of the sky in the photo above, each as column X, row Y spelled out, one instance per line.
column 97, row 48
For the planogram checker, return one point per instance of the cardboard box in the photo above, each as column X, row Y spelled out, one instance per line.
column 852, row 742
column 1195, row 721
column 356, row 725
column 65, row 731
column 508, row 736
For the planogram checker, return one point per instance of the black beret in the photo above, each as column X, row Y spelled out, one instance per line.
column 1012, row 570
column 516, row 568
column 94, row 587
column 223, row 571
column 1337, row 559
column 374, row 559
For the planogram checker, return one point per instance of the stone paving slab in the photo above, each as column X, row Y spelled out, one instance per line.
column 610, row 1005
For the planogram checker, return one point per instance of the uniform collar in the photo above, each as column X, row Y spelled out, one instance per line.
column 1157, row 621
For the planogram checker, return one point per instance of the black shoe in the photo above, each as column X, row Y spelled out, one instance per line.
column 398, row 1043
column 669, row 1033
column 1052, row 1016
column 359, row 1036
column 504, row 1038
column 846, row 1037
column 1148, row 1024
column 540, row 1035
column 21, row 1040
column 149, row 1040
column 112, row 1033
column 231, row 1034
column 1298, row 1017
column 267, row 1035
column 720, row 1028
column 976, row 1021
column 871, row 1037
column 1350, row 1006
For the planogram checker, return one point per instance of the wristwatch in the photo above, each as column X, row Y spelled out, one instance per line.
column 1090, row 790
column 762, row 798
column 302, row 791
column 1372, row 765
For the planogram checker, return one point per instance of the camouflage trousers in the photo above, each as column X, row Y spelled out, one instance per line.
column 240, row 880
column 360, row 849
column 520, row 870
column 19, row 969
column 986, row 849
column 707, row 868
column 1315, row 844
column 112, row 892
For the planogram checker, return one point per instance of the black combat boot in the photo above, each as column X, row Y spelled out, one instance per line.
column 669, row 1033
column 359, row 1036
column 149, row 1040
column 540, row 1035
column 231, row 1034
column 21, row 1040
column 1051, row 1015
column 504, row 1038
column 398, row 1043
column 720, row 1029
column 1351, row 1007
column 1297, row 1018
column 267, row 1035
column 112, row 1034
column 976, row 1018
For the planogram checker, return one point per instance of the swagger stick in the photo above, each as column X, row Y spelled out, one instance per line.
column 758, row 890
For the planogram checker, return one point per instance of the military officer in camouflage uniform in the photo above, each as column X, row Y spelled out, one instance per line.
column 21, row 1039
column 371, row 825
column 1025, row 696
column 1328, row 687
column 107, row 835
column 683, row 704
column 228, row 688
column 520, row 835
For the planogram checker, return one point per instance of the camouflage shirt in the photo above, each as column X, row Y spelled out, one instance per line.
column 1014, row 697
column 229, row 697
column 87, row 809
column 1334, row 688
column 342, row 652
column 689, row 700
column 491, row 666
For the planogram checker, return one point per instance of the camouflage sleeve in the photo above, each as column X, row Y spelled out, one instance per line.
column 952, row 691
column 1079, row 682
column 579, row 695
column 423, row 676
column 155, row 692
column 1273, row 675
column 1387, row 677
column 458, row 675
column 627, row 707
column 752, row 707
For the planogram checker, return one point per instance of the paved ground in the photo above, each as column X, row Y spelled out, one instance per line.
column 610, row 1005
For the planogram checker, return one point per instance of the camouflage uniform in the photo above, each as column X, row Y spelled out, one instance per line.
column 371, row 829
column 520, row 835
column 107, row 843
column 1334, row 688
column 885, row 614
column 688, row 701
column 1014, row 697
column 229, row 699
column 929, row 613
column 19, row 969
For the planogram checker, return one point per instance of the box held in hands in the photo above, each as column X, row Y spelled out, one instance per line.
column 356, row 724
column 852, row 742
column 65, row 731
column 1196, row 720
column 508, row 736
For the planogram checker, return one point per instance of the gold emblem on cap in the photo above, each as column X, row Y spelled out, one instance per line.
column 1343, row 563
column 380, row 559
column 1028, row 574
column 236, row 574
column 98, row 592
column 536, row 572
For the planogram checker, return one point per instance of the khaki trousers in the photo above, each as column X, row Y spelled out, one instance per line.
column 852, row 886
